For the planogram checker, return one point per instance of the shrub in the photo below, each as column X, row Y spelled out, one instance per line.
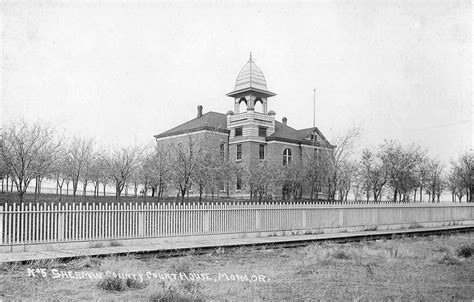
column 370, row 228
column 170, row 295
column 118, row 284
column 342, row 255
column 415, row 226
column 84, row 262
column 95, row 245
column 112, row 284
column 465, row 251
column 449, row 260
column 115, row 243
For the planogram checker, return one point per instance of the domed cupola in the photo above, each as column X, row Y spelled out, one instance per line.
column 250, row 77
column 250, row 87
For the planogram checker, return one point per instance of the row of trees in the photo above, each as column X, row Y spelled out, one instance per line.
column 389, row 171
column 401, row 173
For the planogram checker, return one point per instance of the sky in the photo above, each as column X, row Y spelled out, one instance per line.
column 122, row 72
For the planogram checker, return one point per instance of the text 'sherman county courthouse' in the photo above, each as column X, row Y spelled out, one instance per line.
column 250, row 133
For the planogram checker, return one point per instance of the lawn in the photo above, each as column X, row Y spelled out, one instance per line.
column 416, row 268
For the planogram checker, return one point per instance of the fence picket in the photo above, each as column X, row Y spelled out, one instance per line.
column 47, row 222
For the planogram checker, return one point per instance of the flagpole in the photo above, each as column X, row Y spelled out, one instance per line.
column 314, row 108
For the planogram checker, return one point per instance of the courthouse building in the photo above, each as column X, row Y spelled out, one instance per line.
column 249, row 133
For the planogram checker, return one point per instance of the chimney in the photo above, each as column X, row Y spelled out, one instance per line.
column 199, row 111
column 284, row 120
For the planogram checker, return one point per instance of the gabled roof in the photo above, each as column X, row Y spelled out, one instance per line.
column 307, row 132
column 288, row 134
column 212, row 121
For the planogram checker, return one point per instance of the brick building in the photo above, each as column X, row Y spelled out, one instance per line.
column 249, row 133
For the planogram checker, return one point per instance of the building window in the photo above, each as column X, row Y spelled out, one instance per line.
column 262, row 131
column 261, row 151
column 238, row 131
column 239, row 183
column 222, row 151
column 286, row 157
column 239, row 151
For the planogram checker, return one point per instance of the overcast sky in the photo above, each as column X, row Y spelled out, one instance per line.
column 125, row 72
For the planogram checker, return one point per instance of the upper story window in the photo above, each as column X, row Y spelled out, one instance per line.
column 238, row 131
column 286, row 157
column 261, row 151
column 222, row 151
column 239, row 151
column 262, row 131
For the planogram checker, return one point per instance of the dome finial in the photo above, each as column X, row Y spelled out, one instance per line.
column 250, row 56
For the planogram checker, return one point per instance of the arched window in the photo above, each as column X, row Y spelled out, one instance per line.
column 244, row 108
column 286, row 157
column 258, row 105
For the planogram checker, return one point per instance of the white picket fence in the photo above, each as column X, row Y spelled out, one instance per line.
column 49, row 223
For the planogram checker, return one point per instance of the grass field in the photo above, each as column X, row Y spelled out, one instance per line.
column 410, row 269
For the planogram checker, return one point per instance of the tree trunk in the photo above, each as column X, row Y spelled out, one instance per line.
column 421, row 194
column 84, row 187
column 414, row 196
column 74, row 188
column 104, row 184
column 145, row 190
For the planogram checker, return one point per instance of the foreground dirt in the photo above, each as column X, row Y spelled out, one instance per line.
column 423, row 268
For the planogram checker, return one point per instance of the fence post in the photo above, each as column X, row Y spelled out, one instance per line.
column 304, row 219
column 206, row 222
column 61, row 223
column 341, row 216
column 258, row 220
column 1, row 225
column 140, row 221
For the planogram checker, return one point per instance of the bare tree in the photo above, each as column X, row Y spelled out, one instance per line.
column 316, row 172
column 346, row 177
column 96, row 172
column 184, row 161
column 261, row 178
column 374, row 173
column 434, row 180
column 292, row 177
column 78, row 157
column 158, row 168
column 60, row 175
column 28, row 152
column 121, row 163
column 335, row 160
column 401, row 163
column 461, row 176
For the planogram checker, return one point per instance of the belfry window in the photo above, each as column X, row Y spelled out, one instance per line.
column 286, row 157
column 238, row 131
